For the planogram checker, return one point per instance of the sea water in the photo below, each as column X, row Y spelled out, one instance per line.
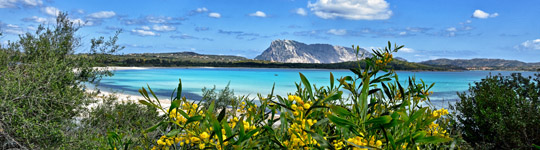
column 250, row 81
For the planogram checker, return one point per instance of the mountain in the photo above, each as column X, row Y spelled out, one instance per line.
column 484, row 64
column 290, row 51
column 190, row 56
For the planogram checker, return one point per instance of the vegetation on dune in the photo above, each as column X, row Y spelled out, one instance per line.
column 500, row 112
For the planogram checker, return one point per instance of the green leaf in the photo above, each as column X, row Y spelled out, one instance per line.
column 380, row 120
column 331, row 80
column 340, row 110
column 307, row 85
column 221, row 115
column 433, row 139
column 340, row 121
column 419, row 134
column 173, row 133
column 144, row 102
column 217, row 130
column 179, row 92
column 211, row 107
column 416, row 115
column 320, row 139
column 174, row 105
column 153, row 128
column 194, row 118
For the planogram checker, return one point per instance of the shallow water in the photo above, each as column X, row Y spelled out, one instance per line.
column 250, row 81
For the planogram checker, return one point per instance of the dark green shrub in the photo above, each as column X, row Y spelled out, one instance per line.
column 500, row 112
column 41, row 92
column 124, row 118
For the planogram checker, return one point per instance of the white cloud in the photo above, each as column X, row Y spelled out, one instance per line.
column 12, row 29
column 163, row 28
column 39, row 19
column 14, row 3
column 32, row 2
column 451, row 29
column 80, row 11
column 81, row 22
column 214, row 15
column 145, row 27
column 351, row 9
column 161, row 19
column 403, row 33
column 143, row 32
column 102, row 14
column 337, row 31
column 301, row 12
column 258, row 14
column 483, row 15
column 407, row 50
column 53, row 11
column 200, row 10
column 530, row 45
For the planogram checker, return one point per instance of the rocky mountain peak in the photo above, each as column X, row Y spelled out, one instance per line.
column 296, row 52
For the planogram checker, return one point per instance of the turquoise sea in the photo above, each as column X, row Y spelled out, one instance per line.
column 250, row 81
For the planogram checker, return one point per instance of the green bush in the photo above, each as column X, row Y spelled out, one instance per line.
column 41, row 92
column 223, row 98
column 123, row 118
column 500, row 112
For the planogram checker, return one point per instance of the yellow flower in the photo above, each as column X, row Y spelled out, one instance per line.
column 291, row 97
column 293, row 106
column 204, row 135
column 306, row 106
column 201, row 146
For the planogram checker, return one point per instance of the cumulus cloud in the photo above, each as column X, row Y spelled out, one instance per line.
column 143, row 32
column 102, row 14
column 163, row 28
column 214, row 15
column 11, row 29
column 451, row 29
column 151, row 19
column 200, row 10
column 483, row 15
column 351, row 9
column 337, row 31
column 407, row 50
column 37, row 19
column 145, row 27
column 258, row 14
column 15, row 3
column 81, row 22
column 53, row 11
column 530, row 45
column 301, row 12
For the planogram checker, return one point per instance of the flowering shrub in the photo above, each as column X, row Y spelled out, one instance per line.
column 378, row 114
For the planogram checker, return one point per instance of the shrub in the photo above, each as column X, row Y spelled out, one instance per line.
column 500, row 112
column 223, row 98
column 41, row 92
column 391, row 117
column 123, row 118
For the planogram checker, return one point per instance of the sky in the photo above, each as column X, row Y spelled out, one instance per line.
column 429, row 29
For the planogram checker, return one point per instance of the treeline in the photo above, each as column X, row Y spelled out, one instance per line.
column 123, row 60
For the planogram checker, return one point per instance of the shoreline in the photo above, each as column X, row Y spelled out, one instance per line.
column 115, row 68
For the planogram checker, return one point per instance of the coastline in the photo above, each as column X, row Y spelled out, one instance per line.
column 122, row 97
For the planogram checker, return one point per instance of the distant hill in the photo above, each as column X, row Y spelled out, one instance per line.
column 189, row 56
column 484, row 64
column 290, row 51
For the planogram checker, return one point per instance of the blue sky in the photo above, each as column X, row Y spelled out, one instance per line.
column 429, row 29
